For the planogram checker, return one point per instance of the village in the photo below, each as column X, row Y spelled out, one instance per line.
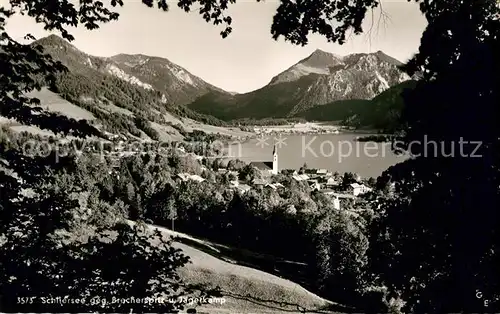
column 319, row 180
column 267, row 176
column 298, row 128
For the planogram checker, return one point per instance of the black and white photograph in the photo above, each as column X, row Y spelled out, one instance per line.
column 250, row 156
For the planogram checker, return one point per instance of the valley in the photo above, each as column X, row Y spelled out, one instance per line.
column 151, row 98
column 130, row 184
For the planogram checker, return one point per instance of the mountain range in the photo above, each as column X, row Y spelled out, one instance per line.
column 137, row 94
column 316, row 80
column 176, row 84
column 132, row 95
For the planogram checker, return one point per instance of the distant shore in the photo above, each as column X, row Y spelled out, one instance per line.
column 303, row 128
column 379, row 138
column 299, row 128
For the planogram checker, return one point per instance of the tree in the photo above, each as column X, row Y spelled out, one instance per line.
column 348, row 178
column 160, row 205
column 43, row 256
column 209, row 175
column 235, row 165
column 435, row 244
column 40, row 219
column 248, row 173
column 303, row 169
column 341, row 259
column 421, row 230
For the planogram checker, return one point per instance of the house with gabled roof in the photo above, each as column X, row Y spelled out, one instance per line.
column 359, row 189
column 186, row 177
column 301, row 177
column 267, row 167
column 243, row 188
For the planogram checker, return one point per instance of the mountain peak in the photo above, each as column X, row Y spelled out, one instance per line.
column 52, row 40
column 318, row 51
column 387, row 58
column 139, row 70
column 53, row 37
column 319, row 62
column 322, row 52
column 321, row 59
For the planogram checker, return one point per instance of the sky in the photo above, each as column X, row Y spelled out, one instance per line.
column 248, row 58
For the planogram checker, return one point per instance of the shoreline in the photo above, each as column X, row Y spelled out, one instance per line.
column 309, row 128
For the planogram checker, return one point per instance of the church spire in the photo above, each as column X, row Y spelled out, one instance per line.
column 275, row 160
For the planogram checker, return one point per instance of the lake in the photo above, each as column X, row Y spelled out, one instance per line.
column 335, row 152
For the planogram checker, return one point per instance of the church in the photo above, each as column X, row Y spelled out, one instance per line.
column 267, row 167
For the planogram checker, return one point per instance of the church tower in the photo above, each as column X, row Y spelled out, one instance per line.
column 275, row 160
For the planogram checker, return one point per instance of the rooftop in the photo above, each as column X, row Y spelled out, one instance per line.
column 301, row 177
column 342, row 195
column 356, row 185
column 259, row 182
column 262, row 165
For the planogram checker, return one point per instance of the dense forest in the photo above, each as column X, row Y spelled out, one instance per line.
column 145, row 105
column 424, row 241
column 263, row 220
column 380, row 113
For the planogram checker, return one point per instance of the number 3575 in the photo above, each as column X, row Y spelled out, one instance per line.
column 26, row 300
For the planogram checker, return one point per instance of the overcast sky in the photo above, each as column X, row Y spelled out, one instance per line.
column 249, row 57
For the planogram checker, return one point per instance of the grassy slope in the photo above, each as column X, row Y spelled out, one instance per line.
column 55, row 103
column 246, row 289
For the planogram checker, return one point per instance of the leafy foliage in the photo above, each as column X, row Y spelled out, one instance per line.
column 41, row 210
column 435, row 245
column 433, row 241
column 341, row 245
column 57, row 234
